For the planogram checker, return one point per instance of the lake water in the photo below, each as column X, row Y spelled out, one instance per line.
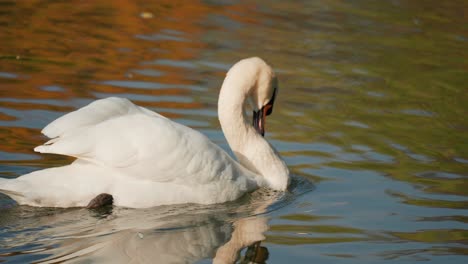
column 371, row 118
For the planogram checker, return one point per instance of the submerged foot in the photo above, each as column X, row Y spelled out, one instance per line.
column 101, row 200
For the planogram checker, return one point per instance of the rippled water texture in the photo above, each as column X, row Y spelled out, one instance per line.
column 371, row 118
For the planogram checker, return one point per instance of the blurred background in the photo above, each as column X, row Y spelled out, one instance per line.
column 372, row 110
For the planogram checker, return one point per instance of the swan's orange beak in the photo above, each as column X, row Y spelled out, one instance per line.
column 259, row 117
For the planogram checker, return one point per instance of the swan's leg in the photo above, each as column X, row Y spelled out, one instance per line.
column 102, row 199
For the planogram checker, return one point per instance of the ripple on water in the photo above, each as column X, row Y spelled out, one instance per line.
column 8, row 75
column 52, row 88
column 173, row 63
column 162, row 37
column 148, row 72
column 149, row 98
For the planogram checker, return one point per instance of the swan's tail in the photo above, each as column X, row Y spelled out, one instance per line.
column 3, row 185
column 67, row 186
column 7, row 187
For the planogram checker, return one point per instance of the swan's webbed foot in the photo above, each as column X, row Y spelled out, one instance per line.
column 103, row 199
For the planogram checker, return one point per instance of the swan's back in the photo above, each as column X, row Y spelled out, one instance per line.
column 94, row 113
column 115, row 133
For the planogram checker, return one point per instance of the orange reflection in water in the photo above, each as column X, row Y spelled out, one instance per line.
column 52, row 43
column 62, row 50
column 73, row 45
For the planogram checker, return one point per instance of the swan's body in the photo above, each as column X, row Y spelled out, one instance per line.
column 144, row 159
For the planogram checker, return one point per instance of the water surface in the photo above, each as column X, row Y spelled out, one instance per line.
column 370, row 118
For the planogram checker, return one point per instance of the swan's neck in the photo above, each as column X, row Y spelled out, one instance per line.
column 250, row 148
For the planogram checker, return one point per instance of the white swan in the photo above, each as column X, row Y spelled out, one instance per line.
column 144, row 159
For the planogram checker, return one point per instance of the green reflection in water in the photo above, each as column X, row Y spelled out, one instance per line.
column 291, row 240
column 435, row 236
column 315, row 229
column 305, row 217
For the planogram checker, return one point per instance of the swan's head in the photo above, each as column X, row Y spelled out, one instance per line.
column 264, row 105
column 260, row 87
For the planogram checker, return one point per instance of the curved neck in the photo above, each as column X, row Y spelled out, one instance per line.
column 250, row 148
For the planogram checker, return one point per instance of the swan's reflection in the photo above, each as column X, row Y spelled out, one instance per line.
column 248, row 232
column 183, row 234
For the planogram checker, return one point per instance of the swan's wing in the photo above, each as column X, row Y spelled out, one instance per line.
column 146, row 146
column 92, row 114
